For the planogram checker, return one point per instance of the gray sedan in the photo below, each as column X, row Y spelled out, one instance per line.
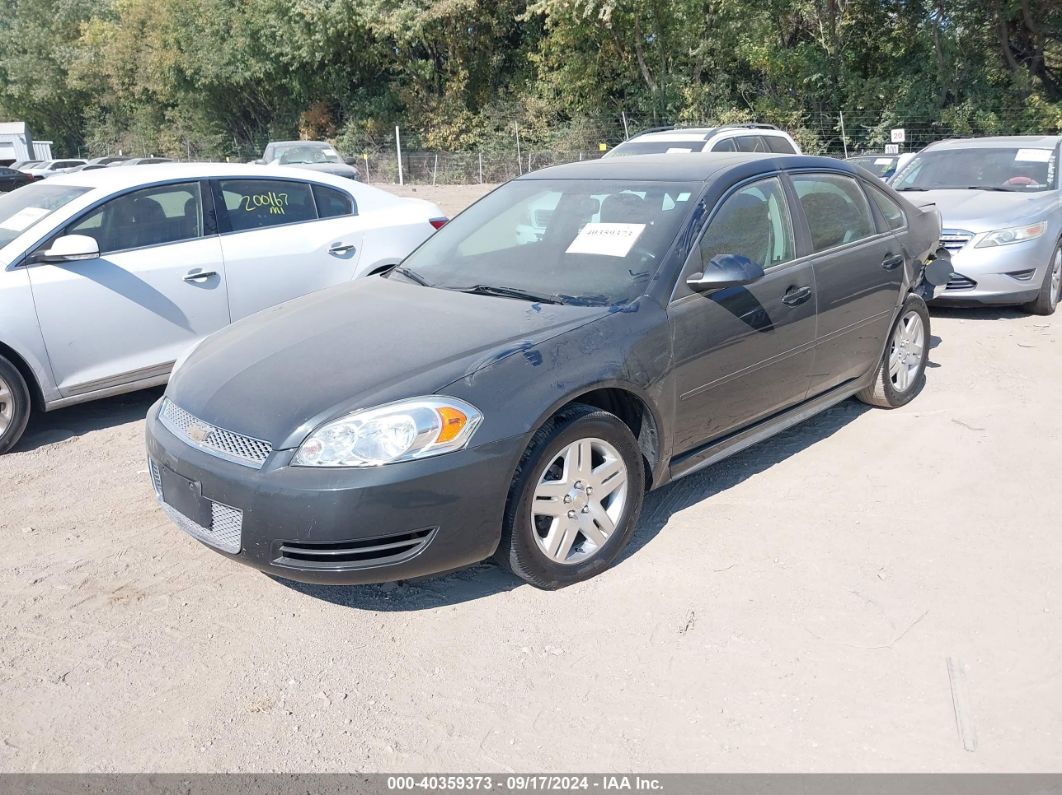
column 1001, row 204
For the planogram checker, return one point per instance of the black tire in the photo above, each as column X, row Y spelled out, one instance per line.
column 519, row 551
column 14, row 405
column 883, row 392
column 1047, row 301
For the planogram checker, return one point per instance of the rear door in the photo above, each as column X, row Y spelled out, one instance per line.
column 157, row 287
column 282, row 238
column 859, row 270
column 743, row 353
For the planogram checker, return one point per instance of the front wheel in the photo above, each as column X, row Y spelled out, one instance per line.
column 14, row 405
column 902, row 372
column 1051, row 289
column 575, row 499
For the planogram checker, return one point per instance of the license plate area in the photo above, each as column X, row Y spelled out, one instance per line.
column 186, row 497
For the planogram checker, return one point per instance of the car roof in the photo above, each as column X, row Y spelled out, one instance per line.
column 682, row 167
column 1030, row 141
column 111, row 179
column 300, row 143
column 702, row 133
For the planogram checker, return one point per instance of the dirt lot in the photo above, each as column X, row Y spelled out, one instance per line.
column 793, row 608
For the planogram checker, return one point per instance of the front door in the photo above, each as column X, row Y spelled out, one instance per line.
column 284, row 238
column 157, row 287
column 743, row 353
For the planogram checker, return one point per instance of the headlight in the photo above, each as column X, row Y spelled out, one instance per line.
column 1016, row 234
column 402, row 431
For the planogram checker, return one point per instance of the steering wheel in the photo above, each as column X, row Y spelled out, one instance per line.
column 1021, row 181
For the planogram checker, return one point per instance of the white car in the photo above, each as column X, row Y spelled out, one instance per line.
column 728, row 138
column 49, row 168
column 107, row 277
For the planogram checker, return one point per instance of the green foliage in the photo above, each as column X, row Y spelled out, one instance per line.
column 219, row 78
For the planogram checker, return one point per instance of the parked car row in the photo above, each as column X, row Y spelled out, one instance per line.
column 514, row 383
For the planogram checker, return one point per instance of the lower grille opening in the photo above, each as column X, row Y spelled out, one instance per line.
column 351, row 554
column 960, row 282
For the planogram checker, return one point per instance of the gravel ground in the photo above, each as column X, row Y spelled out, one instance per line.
column 870, row 591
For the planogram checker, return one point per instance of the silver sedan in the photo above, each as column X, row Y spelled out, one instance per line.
column 1001, row 202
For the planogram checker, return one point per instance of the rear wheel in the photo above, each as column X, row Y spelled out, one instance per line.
column 902, row 372
column 1051, row 289
column 575, row 499
column 14, row 405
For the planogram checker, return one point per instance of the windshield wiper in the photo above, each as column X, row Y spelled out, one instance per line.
column 988, row 187
column 413, row 276
column 906, row 189
column 510, row 292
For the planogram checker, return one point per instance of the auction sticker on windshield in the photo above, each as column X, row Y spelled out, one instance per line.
column 606, row 240
column 1033, row 155
column 24, row 218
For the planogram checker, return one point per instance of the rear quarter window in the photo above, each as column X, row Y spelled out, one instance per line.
column 777, row 143
column 332, row 203
column 261, row 203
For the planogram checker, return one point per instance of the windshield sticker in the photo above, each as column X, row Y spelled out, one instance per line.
column 1033, row 155
column 681, row 149
column 24, row 218
column 606, row 240
column 883, row 161
column 276, row 202
column 329, row 151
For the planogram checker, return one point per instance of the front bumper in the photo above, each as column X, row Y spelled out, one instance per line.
column 340, row 526
column 1009, row 274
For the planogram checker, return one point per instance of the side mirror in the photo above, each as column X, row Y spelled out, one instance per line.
column 70, row 248
column 350, row 161
column 725, row 270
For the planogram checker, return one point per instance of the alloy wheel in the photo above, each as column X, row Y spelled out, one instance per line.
column 7, row 406
column 905, row 353
column 579, row 500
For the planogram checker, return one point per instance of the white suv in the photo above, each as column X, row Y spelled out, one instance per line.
column 730, row 138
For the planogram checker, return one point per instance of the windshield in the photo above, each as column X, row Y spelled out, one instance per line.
column 878, row 166
column 657, row 147
column 1010, row 168
column 30, row 204
column 306, row 154
column 590, row 242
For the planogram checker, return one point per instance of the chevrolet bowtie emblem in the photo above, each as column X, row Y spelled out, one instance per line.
column 199, row 433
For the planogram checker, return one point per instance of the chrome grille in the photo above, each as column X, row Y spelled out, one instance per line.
column 955, row 239
column 226, row 528
column 231, row 446
column 226, row 523
column 156, row 478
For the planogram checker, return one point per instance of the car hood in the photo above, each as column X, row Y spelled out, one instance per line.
column 985, row 210
column 338, row 169
column 278, row 374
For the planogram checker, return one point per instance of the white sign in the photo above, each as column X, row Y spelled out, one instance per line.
column 892, row 149
column 24, row 218
column 606, row 240
column 1033, row 156
column 899, row 135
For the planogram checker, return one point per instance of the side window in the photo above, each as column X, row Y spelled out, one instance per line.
column 147, row 217
column 332, row 202
column 836, row 209
column 777, row 143
column 258, row 203
column 726, row 145
column 891, row 211
column 754, row 222
column 750, row 143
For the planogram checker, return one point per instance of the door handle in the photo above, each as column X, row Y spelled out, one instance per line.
column 340, row 248
column 199, row 275
column 892, row 261
column 796, row 295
